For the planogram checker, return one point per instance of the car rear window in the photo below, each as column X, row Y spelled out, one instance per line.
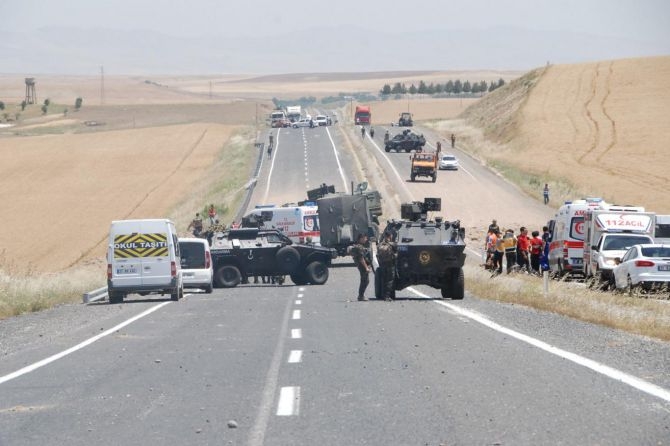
column 192, row 255
column 659, row 251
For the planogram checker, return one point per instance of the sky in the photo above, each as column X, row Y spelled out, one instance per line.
column 270, row 36
column 637, row 19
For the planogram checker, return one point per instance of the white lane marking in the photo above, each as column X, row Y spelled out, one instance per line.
column 295, row 356
column 289, row 401
column 296, row 315
column 300, row 295
column 337, row 158
column 298, row 302
column 610, row 372
column 296, row 333
column 272, row 166
column 79, row 346
column 401, row 180
column 257, row 433
column 301, row 289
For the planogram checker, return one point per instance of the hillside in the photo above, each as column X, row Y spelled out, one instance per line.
column 599, row 129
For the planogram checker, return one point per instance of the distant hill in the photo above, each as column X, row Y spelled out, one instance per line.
column 598, row 129
column 67, row 50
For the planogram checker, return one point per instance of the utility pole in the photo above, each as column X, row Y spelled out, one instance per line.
column 210, row 89
column 102, row 85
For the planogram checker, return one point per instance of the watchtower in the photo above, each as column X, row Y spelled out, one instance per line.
column 31, row 96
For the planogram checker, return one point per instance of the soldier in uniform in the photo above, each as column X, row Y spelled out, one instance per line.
column 386, row 256
column 359, row 253
column 196, row 225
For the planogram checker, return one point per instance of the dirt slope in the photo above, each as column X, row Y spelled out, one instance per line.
column 601, row 127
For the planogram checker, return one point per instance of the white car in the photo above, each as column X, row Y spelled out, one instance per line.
column 196, row 264
column 303, row 122
column 321, row 120
column 646, row 266
column 448, row 162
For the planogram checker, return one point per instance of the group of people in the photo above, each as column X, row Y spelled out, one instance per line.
column 198, row 229
column 522, row 252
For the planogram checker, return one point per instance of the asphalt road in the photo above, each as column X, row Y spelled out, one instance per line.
column 289, row 365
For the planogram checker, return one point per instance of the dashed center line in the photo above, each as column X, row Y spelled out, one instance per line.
column 298, row 302
column 296, row 315
column 289, row 401
column 296, row 333
column 295, row 356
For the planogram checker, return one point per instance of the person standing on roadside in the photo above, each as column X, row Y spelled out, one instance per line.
column 386, row 255
column 271, row 140
column 211, row 212
column 359, row 254
column 523, row 250
column 438, row 147
column 545, row 193
column 362, row 131
column 535, row 251
column 453, row 140
column 498, row 254
column 509, row 242
column 372, row 132
column 494, row 226
column 196, row 225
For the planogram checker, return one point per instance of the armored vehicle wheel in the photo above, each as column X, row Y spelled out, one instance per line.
column 378, row 284
column 209, row 288
column 115, row 297
column 317, row 273
column 387, row 148
column 434, row 177
column 288, row 259
column 228, row 276
column 412, row 177
column 454, row 288
column 299, row 278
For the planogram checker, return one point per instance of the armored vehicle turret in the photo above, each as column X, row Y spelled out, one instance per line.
column 429, row 252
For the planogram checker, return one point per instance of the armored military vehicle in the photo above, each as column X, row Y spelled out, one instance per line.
column 405, row 141
column 343, row 216
column 429, row 252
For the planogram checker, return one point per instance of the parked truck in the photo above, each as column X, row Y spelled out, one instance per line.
column 293, row 113
column 405, row 120
column 363, row 115
column 609, row 233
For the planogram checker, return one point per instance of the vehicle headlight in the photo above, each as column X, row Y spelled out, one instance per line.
column 609, row 262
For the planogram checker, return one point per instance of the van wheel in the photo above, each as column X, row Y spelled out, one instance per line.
column 209, row 288
column 434, row 177
column 177, row 294
column 378, row 284
column 288, row 259
column 317, row 273
column 228, row 276
column 115, row 297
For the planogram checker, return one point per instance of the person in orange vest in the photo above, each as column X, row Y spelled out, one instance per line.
column 509, row 243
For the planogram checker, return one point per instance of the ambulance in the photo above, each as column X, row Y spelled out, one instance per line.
column 296, row 222
column 662, row 230
column 609, row 232
column 566, row 250
column 143, row 257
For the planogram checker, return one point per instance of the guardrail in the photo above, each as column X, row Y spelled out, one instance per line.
column 95, row 295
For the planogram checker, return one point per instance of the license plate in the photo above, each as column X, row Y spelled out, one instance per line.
column 189, row 274
column 126, row 271
column 664, row 267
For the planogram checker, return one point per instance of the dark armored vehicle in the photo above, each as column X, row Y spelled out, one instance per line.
column 238, row 254
column 343, row 216
column 428, row 252
column 405, row 141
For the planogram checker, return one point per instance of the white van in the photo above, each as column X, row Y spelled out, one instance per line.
column 662, row 230
column 196, row 263
column 143, row 257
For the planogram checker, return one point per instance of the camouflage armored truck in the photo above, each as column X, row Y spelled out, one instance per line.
column 429, row 252
column 342, row 216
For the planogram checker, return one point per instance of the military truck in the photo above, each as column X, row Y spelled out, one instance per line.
column 424, row 164
column 405, row 141
column 405, row 120
column 343, row 216
column 429, row 252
